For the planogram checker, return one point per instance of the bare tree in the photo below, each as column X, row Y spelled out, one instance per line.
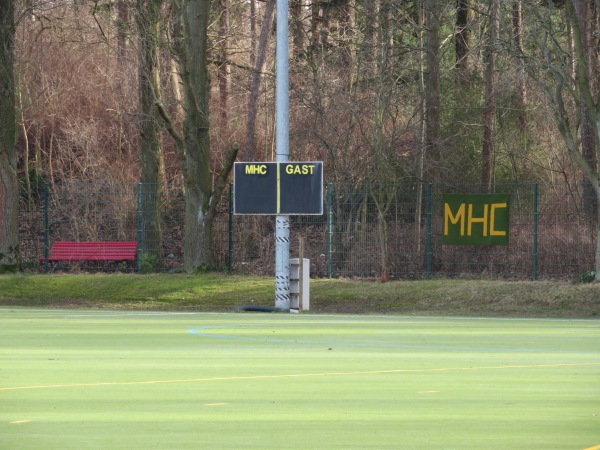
column 122, row 25
column 224, row 72
column 585, row 32
column 520, row 82
column 252, row 31
column 348, row 32
column 566, row 93
column 463, row 38
column 432, row 87
column 297, row 27
column 585, row 86
column 148, row 18
column 9, row 191
column 193, row 140
column 315, row 24
column 256, row 80
column 369, row 46
column 489, row 113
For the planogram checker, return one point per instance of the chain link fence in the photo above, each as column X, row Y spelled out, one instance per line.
column 366, row 231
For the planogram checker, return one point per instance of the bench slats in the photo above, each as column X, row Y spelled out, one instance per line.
column 93, row 251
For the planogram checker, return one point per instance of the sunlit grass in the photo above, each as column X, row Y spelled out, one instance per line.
column 223, row 292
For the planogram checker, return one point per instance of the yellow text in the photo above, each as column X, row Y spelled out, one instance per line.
column 300, row 169
column 465, row 218
column 255, row 169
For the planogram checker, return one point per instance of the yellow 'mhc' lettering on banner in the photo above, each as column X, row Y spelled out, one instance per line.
column 487, row 220
column 476, row 219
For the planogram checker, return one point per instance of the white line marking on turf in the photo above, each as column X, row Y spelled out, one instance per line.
column 151, row 314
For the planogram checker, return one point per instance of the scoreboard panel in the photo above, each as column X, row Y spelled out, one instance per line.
column 279, row 188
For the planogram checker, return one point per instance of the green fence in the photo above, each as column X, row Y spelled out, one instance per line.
column 364, row 231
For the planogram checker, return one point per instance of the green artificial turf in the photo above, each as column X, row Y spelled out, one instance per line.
column 77, row 379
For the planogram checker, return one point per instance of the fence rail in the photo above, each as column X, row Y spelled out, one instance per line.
column 364, row 230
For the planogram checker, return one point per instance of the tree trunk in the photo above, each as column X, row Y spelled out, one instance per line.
column 9, row 189
column 193, row 144
column 315, row 24
column 489, row 114
column 224, row 71
column 190, row 30
column 520, row 86
column 386, row 35
column 297, row 27
column 256, row 79
column 197, row 251
column 347, row 35
column 369, row 46
column 462, row 39
column 325, row 24
column 252, row 31
column 422, row 129
column 432, row 89
column 588, row 138
column 148, row 19
column 385, row 247
column 585, row 88
column 122, row 24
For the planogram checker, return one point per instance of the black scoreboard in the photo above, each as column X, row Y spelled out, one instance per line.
column 281, row 188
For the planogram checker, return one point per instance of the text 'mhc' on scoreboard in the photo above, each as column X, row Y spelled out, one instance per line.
column 281, row 188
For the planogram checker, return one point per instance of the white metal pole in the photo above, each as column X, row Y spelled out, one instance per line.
column 282, row 222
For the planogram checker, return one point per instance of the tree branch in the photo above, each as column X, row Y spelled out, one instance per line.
column 221, row 181
column 179, row 141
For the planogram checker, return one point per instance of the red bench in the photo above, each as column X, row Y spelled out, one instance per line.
column 93, row 251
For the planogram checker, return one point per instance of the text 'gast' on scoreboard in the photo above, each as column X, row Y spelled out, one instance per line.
column 282, row 188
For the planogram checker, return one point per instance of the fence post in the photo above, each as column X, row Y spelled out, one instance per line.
column 46, row 229
column 329, row 231
column 230, row 231
column 139, row 227
column 535, row 231
column 428, row 249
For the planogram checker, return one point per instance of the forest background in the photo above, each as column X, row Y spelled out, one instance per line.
column 384, row 92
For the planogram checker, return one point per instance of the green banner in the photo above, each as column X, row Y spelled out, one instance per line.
column 475, row 219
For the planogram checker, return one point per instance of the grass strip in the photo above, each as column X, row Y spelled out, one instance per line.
column 219, row 292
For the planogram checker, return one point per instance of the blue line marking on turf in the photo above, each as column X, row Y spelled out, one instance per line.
column 201, row 332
